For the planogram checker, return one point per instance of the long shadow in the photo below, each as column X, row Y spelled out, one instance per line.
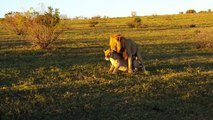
column 106, row 96
column 61, row 56
column 8, row 43
column 15, row 64
column 66, row 57
column 98, row 100
column 175, row 50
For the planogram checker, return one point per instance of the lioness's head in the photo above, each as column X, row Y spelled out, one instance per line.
column 116, row 42
column 107, row 54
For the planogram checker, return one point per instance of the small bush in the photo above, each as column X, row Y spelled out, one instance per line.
column 181, row 12
column 93, row 23
column 45, row 29
column 204, row 39
column 96, row 17
column 137, row 20
column 202, row 11
column 42, row 36
column 131, row 24
column 135, row 23
column 192, row 25
column 190, row 11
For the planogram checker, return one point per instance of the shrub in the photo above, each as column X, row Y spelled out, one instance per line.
column 202, row 11
column 190, row 11
column 192, row 25
column 181, row 12
column 40, row 29
column 137, row 20
column 15, row 22
column 42, row 36
column 135, row 23
column 96, row 17
column 45, row 29
column 49, row 19
column 131, row 24
column 204, row 39
column 93, row 23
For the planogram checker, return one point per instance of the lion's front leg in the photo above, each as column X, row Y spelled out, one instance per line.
column 130, row 65
column 111, row 69
column 115, row 69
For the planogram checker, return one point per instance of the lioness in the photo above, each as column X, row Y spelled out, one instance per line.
column 117, row 62
column 127, row 48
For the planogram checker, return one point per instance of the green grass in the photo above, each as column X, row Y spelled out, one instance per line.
column 70, row 80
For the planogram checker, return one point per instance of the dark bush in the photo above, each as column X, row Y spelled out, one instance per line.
column 190, row 11
column 137, row 20
column 96, row 17
column 181, row 12
column 192, row 25
column 202, row 11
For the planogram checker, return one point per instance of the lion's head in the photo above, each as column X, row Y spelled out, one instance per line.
column 107, row 54
column 116, row 42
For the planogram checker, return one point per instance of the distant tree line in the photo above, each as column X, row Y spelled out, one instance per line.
column 191, row 11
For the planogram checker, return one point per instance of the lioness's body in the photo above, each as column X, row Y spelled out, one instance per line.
column 117, row 61
column 127, row 48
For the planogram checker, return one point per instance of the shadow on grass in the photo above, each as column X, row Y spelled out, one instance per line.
column 79, row 87
column 124, row 98
column 176, row 56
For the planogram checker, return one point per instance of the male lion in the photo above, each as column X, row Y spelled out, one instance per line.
column 127, row 48
column 117, row 61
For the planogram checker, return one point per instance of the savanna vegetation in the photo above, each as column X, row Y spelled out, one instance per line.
column 39, row 28
column 70, row 80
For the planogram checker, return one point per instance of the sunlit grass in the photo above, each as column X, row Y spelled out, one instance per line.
column 70, row 80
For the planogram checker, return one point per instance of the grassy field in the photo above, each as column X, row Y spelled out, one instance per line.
column 70, row 80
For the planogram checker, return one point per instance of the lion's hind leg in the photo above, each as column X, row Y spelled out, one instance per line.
column 139, row 59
